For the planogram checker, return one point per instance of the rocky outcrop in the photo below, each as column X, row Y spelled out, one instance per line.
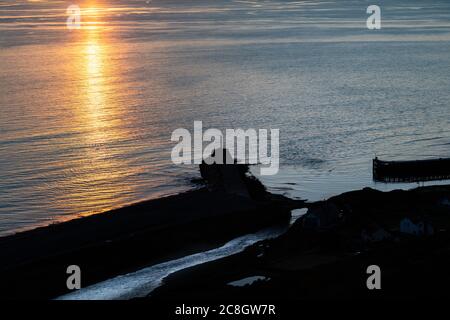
column 230, row 177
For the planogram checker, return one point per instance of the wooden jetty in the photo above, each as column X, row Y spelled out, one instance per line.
column 411, row 171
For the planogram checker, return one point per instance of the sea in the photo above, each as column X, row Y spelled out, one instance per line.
column 87, row 110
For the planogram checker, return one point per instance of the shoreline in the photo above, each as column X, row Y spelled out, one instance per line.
column 73, row 216
column 33, row 263
column 127, row 240
column 142, row 282
column 307, row 263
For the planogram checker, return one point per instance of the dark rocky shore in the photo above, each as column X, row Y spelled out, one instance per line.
column 33, row 264
column 325, row 254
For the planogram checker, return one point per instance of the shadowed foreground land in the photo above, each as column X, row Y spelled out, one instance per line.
column 33, row 264
column 325, row 254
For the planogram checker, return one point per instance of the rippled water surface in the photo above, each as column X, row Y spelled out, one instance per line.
column 87, row 115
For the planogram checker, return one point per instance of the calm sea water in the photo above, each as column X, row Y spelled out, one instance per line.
column 86, row 115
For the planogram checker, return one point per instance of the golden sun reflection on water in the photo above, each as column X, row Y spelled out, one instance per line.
column 95, row 74
column 101, row 171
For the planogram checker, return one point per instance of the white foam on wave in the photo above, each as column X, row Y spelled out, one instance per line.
column 144, row 281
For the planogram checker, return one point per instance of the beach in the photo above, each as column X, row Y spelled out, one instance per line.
column 33, row 263
column 306, row 261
